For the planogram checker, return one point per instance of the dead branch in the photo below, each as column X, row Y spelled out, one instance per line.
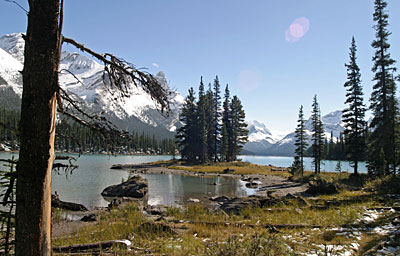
column 20, row 6
column 9, row 161
column 120, row 74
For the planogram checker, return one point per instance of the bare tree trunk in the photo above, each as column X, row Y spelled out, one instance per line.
column 38, row 115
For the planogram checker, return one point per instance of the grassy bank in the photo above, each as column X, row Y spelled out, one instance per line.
column 328, row 224
column 195, row 230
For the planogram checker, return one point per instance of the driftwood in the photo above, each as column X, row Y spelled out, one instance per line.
column 92, row 246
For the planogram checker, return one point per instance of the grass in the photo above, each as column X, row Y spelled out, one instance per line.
column 167, row 237
column 238, row 167
column 170, row 238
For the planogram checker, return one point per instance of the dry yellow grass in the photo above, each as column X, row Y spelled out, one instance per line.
column 239, row 168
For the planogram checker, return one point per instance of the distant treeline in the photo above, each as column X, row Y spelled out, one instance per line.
column 74, row 137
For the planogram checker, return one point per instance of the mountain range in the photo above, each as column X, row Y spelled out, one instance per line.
column 137, row 113
column 264, row 142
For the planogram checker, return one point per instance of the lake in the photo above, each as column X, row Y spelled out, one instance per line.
column 284, row 161
column 86, row 183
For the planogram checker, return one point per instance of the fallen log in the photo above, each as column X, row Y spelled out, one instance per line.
column 92, row 246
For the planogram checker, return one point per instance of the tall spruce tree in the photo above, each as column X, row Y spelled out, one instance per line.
column 354, row 114
column 238, row 128
column 210, row 123
column 217, row 117
column 317, row 135
column 226, row 137
column 202, row 122
column 187, row 135
column 301, row 140
column 383, row 140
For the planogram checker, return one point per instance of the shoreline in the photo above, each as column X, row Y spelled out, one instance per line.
column 267, row 184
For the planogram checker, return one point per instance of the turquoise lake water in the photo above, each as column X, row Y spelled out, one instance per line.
column 87, row 182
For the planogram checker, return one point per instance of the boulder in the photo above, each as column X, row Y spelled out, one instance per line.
column 219, row 198
column 194, row 200
column 57, row 203
column 89, row 218
column 251, row 185
column 235, row 205
column 227, row 170
column 135, row 187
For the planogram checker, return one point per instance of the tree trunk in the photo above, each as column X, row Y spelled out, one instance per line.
column 38, row 115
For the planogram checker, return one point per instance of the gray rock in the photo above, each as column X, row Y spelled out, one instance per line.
column 135, row 187
column 89, row 218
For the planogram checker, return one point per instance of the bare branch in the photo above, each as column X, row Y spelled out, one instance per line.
column 72, row 74
column 119, row 74
column 9, row 161
column 20, row 6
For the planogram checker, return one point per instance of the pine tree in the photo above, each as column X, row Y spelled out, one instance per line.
column 317, row 135
column 226, row 137
column 187, row 135
column 384, row 124
column 217, row 117
column 238, row 128
column 354, row 114
column 201, row 109
column 301, row 141
column 210, row 123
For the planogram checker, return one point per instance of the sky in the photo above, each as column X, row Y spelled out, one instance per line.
column 275, row 55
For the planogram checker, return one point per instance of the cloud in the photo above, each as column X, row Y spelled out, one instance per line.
column 249, row 80
column 297, row 29
column 155, row 65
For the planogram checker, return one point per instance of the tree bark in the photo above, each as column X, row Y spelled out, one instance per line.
column 38, row 115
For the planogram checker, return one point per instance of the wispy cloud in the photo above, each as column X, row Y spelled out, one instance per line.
column 155, row 65
column 297, row 29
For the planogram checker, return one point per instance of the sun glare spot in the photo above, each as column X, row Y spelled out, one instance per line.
column 249, row 80
column 297, row 29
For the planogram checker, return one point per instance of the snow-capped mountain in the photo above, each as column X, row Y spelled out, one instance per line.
column 138, row 112
column 261, row 141
column 260, row 137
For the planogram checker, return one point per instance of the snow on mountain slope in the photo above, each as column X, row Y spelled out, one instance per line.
column 87, row 83
column 332, row 123
column 13, row 44
column 10, row 72
column 261, row 141
column 260, row 137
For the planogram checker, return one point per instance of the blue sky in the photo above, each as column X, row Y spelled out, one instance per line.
column 245, row 43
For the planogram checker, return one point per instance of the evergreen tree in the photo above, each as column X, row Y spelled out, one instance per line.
column 187, row 134
column 301, row 141
column 201, row 109
column 217, row 117
column 384, row 124
column 317, row 135
column 238, row 128
column 210, row 123
column 353, row 115
column 226, row 138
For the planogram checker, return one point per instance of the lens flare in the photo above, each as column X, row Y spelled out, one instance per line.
column 249, row 80
column 297, row 29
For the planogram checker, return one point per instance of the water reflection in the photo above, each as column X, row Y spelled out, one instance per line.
column 172, row 189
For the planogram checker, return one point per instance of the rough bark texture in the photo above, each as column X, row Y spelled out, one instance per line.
column 38, row 111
